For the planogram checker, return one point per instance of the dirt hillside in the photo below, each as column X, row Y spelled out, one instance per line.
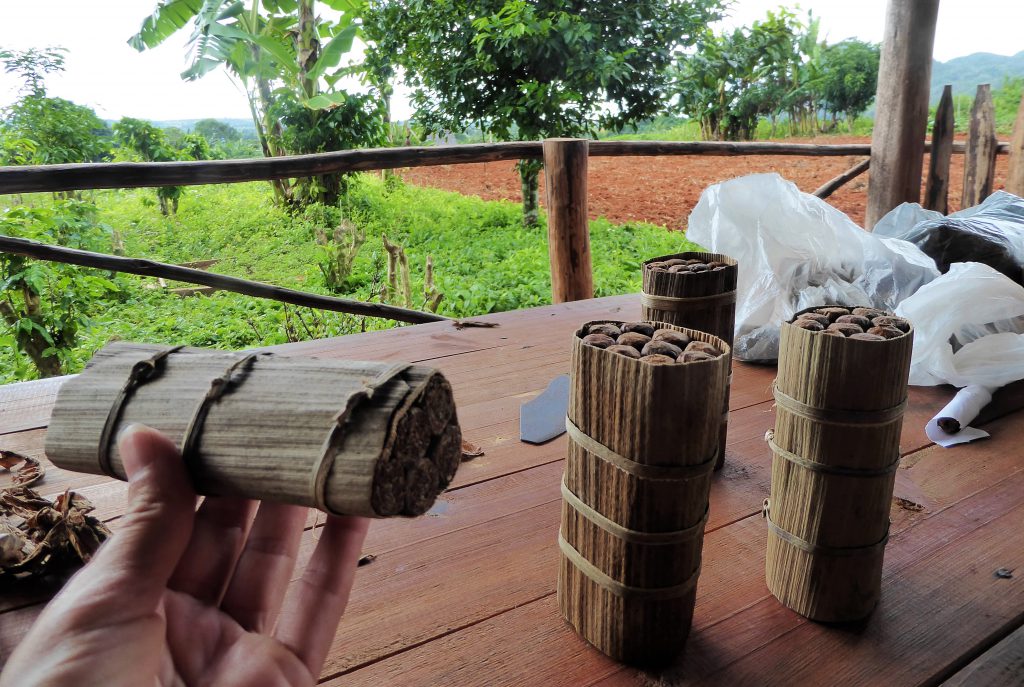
column 663, row 190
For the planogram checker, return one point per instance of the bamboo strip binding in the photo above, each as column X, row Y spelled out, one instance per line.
column 631, row 536
column 705, row 301
column 835, row 450
column 350, row 438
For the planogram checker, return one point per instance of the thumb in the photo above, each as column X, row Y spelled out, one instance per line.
column 154, row 532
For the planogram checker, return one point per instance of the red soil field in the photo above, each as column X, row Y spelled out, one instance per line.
column 663, row 190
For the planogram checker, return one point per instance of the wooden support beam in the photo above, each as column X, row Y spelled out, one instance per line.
column 936, row 192
column 832, row 185
column 1015, row 175
column 980, row 164
column 565, row 185
column 901, row 106
column 150, row 268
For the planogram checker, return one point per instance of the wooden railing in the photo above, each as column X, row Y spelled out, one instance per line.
column 565, row 163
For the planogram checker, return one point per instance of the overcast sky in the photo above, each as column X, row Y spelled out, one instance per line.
column 107, row 75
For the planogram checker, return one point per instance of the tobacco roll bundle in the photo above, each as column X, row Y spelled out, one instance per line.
column 353, row 438
column 643, row 439
column 696, row 290
column 840, row 396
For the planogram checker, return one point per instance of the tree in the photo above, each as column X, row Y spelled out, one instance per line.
column 733, row 79
column 850, row 77
column 530, row 70
column 40, row 130
column 216, row 132
column 149, row 144
column 288, row 59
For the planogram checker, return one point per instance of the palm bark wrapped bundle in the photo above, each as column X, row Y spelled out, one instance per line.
column 347, row 437
column 697, row 290
column 839, row 402
column 643, row 439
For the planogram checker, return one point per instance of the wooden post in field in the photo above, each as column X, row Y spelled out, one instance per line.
column 1015, row 174
column 565, row 181
column 980, row 158
column 936, row 192
column 901, row 106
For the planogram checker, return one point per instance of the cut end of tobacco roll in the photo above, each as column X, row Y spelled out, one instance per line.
column 426, row 452
column 668, row 346
column 859, row 324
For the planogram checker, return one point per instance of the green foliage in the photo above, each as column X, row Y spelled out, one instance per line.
column 39, row 130
column 45, row 306
column 531, row 70
column 32, row 66
column 484, row 260
column 775, row 69
column 850, row 77
column 216, row 132
column 140, row 140
column 732, row 79
column 289, row 60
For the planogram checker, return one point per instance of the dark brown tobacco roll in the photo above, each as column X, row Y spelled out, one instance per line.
column 701, row 297
column 642, row 444
column 835, row 449
column 352, row 438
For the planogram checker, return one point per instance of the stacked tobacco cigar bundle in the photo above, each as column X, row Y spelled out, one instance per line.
column 648, row 342
column 643, row 437
column 839, row 400
column 696, row 290
column 352, row 438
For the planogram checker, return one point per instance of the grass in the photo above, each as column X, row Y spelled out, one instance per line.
column 484, row 261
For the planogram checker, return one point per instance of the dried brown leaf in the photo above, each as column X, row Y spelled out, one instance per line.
column 470, row 450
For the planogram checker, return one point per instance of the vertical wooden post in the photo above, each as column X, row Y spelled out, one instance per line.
column 936, row 192
column 980, row 156
column 901, row 106
column 1015, row 174
column 565, row 181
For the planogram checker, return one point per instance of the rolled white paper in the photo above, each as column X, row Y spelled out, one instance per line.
column 964, row 407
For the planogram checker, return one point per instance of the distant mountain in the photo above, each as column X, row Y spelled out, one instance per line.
column 965, row 73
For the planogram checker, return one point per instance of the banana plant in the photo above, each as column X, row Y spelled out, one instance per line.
column 273, row 48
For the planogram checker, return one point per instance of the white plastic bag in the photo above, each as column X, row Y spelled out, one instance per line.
column 968, row 328
column 796, row 251
column 992, row 233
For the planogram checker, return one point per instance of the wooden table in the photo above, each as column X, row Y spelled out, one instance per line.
column 466, row 594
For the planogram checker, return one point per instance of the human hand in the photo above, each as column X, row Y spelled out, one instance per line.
column 183, row 596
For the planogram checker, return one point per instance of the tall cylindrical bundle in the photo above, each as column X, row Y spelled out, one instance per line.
column 643, row 437
column 839, row 400
column 352, row 438
column 696, row 290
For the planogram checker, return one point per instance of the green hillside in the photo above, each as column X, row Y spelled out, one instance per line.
column 965, row 73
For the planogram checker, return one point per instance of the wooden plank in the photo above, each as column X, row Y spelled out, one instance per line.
column 27, row 405
column 936, row 193
column 565, row 174
column 980, row 165
column 46, row 178
column 901, row 110
column 1015, row 173
column 833, row 185
column 152, row 268
column 1001, row 665
column 732, row 589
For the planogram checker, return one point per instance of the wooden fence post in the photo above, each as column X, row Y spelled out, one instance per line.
column 980, row 161
column 565, row 181
column 901, row 110
column 936, row 192
column 1015, row 175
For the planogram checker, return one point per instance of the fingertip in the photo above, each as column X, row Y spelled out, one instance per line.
column 140, row 446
